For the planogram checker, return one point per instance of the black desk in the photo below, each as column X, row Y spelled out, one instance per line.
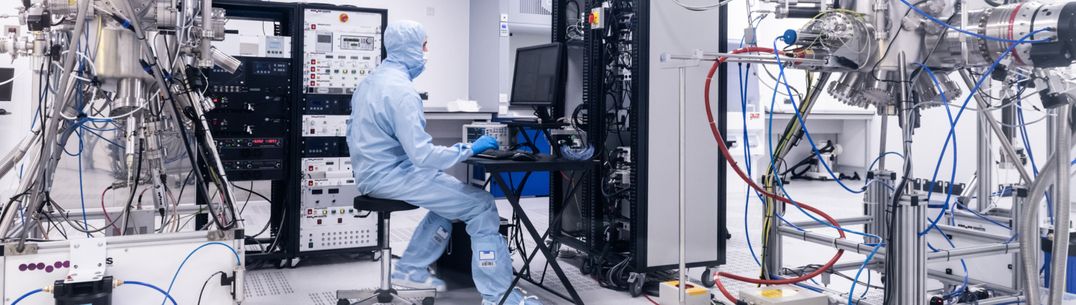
column 498, row 167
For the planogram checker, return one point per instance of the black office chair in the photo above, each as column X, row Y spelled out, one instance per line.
column 385, row 293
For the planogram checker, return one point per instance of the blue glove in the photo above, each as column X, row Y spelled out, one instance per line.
column 484, row 143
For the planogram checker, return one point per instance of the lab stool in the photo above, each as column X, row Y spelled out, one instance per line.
column 385, row 293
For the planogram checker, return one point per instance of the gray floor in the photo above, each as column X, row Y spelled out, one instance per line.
column 314, row 281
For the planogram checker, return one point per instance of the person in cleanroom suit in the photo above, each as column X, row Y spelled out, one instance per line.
column 394, row 158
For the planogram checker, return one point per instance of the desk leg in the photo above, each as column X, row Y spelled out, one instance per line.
column 513, row 199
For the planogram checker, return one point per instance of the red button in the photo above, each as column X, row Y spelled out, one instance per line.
column 313, row 84
column 313, row 69
column 314, row 61
column 313, row 76
column 310, row 169
column 313, row 26
column 319, row 221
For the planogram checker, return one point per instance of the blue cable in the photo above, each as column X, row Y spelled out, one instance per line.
column 26, row 295
column 103, row 138
column 81, row 190
column 180, row 268
column 803, row 126
column 769, row 146
column 956, row 291
column 978, row 84
column 881, row 156
column 747, row 159
column 981, row 216
column 151, row 286
column 747, row 156
column 773, row 102
column 1031, row 154
column 977, row 35
column 870, row 257
column 941, row 155
column 773, row 160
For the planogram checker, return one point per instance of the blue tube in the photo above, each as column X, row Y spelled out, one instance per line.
column 82, row 190
column 977, row 35
column 1031, row 154
column 773, row 101
column 979, row 84
column 151, row 286
column 810, row 140
column 941, row 155
column 26, row 295
column 769, row 146
column 180, row 268
column 747, row 155
column 960, row 290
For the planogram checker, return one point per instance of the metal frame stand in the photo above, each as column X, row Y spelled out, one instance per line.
column 908, row 286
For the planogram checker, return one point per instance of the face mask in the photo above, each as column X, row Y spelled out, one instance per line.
column 426, row 57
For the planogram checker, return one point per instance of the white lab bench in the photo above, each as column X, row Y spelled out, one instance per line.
column 851, row 128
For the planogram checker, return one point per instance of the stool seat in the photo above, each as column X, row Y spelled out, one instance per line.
column 367, row 203
column 385, row 293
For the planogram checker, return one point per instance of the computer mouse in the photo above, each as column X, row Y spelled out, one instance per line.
column 522, row 156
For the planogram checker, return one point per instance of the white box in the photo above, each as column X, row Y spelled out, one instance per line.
column 782, row 295
column 668, row 294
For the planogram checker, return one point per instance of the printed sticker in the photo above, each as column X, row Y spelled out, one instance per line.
column 487, row 259
column 441, row 235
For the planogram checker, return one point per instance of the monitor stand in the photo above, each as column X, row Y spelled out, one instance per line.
column 543, row 114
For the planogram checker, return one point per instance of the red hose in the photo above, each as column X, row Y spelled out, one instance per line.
column 728, row 158
column 104, row 210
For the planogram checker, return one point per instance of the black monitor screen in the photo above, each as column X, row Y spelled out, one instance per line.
column 5, row 77
column 538, row 75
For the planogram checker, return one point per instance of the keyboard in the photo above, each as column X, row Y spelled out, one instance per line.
column 497, row 154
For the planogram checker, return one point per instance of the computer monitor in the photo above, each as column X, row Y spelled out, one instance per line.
column 6, row 75
column 538, row 80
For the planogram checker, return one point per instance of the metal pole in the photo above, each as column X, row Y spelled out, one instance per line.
column 51, row 125
column 908, row 284
column 683, row 179
column 985, row 162
column 875, row 200
column 1006, row 146
column 1058, row 274
column 1019, row 199
column 884, row 110
column 835, row 242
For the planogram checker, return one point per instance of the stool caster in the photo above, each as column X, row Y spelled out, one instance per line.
column 343, row 302
column 427, row 301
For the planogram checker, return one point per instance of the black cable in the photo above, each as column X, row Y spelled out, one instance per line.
column 183, row 187
column 900, row 29
column 138, row 176
column 249, row 192
column 206, row 283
